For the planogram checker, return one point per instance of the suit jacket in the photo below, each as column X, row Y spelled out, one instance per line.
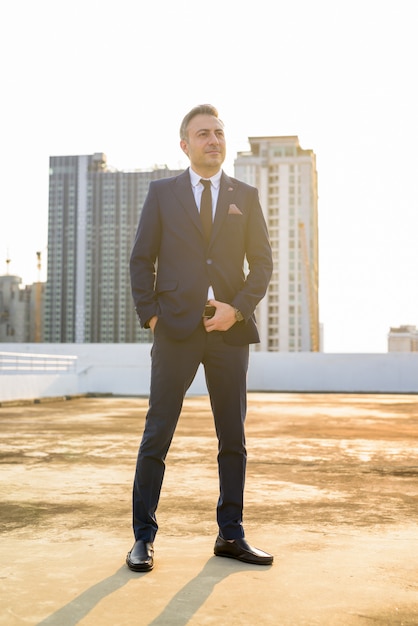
column 172, row 266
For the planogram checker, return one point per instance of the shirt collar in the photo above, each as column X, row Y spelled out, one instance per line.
column 195, row 178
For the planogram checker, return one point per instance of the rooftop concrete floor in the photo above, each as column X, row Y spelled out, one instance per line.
column 331, row 491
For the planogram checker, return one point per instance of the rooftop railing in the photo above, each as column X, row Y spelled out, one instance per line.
column 26, row 363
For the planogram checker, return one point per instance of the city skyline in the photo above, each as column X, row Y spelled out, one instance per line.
column 119, row 78
column 93, row 211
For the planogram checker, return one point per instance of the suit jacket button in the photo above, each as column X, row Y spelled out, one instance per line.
column 209, row 261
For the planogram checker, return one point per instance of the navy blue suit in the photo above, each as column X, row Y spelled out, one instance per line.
column 172, row 268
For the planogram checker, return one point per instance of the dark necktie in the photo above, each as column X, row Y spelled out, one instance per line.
column 206, row 208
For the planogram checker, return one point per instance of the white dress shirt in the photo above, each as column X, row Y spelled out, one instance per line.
column 197, row 188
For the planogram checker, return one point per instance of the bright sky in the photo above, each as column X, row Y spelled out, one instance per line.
column 118, row 76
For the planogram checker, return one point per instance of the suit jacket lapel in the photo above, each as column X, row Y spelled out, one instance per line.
column 184, row 194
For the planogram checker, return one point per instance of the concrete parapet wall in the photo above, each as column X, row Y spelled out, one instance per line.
column 319, row 372
column 31, row 386
column 124, row 369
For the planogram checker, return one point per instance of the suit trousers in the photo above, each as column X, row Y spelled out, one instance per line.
column 173, row 367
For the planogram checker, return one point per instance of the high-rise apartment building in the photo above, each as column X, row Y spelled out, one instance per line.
column 403, row 339
column 93, row 216
column 286, row 178
column 12, row 309
column 20, row 310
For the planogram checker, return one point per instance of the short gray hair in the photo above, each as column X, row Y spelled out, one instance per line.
column 200, row 109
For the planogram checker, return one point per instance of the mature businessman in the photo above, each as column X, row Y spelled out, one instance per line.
column 189, row 286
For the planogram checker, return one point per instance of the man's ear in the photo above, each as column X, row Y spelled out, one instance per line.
column 184, row 147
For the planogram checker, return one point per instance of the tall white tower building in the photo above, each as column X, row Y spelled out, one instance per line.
column 286, row 178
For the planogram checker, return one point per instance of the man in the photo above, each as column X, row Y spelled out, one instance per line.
column 189, row 287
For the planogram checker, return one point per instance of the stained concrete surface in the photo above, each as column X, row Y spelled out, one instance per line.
column 331, row 491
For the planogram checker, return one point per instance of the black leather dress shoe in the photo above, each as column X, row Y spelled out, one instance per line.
column 141, row 557
column 239, row 549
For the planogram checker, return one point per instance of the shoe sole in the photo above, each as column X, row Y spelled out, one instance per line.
column 244, row 559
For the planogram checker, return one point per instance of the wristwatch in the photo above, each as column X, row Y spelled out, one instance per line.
column 238, row 315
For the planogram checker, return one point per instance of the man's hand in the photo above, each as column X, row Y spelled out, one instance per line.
column 152, row 322
column 223, row 319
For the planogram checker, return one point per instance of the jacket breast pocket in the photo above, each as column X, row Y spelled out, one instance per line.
column 235, row 224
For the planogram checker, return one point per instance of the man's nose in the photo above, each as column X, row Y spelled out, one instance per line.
column 213, row 138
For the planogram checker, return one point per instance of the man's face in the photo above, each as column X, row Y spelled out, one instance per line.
column 205, row 145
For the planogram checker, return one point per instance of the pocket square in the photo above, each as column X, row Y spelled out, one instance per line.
column 234, row 210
